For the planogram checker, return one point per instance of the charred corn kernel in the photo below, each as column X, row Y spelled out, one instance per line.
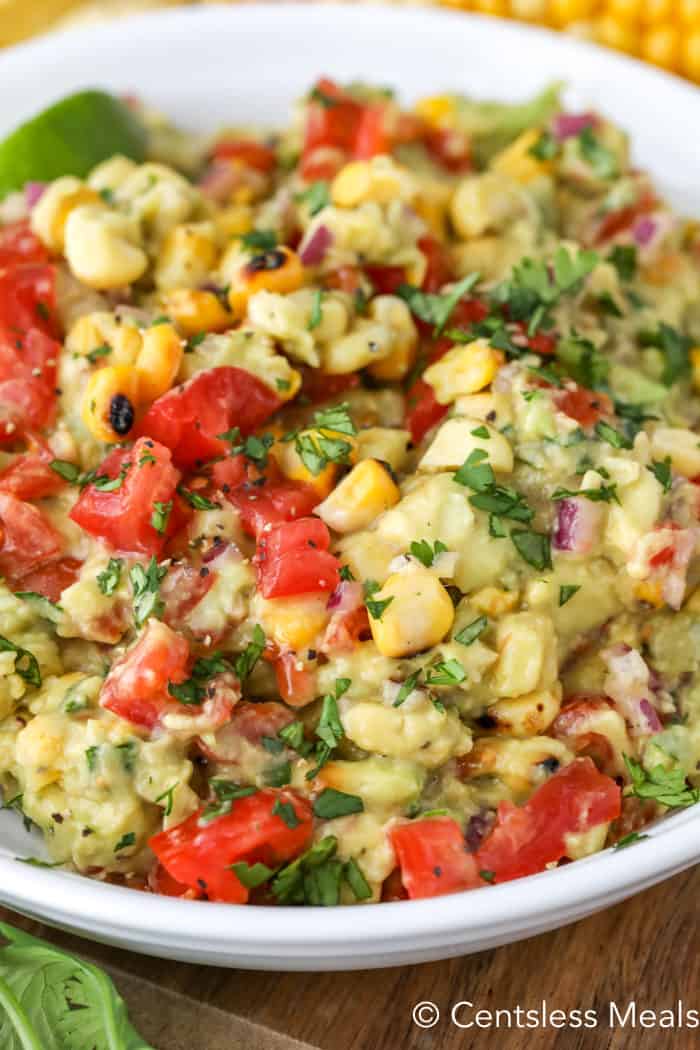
column 463, row 370
column 481, row 406
column 279, row 270
column 117, row 343
column 458, row 437
column 395, row 314
column 526, row 716
column 438, row 110
column 565, row 11
column 384, row 443
column 681, row 445
column 294, row 623
column 379, row 179
column 109, row 403
column 195, row 311
column 517, row 162
column 235, row 220
column 111, row 173
column 187, row 256
column 50, row 214
column 103, row 248
column 367, row 491
column 651, row 592
column 158, row 362
column 366, row 344
column 419, row 614
column 515, row 762
column 613, row 32
column 690, row 57
column 494, row 601
column 661, row 46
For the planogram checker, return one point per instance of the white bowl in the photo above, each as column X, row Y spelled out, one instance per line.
column 222, row 64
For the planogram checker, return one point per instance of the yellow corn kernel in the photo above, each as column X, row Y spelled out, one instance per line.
column 419, row 614
column 100, row 330
column 463, row 370
column 367, row 491
column 656, row 11
column 293, row 466
column 651, row 592
column 395, row 314
column 526, row 716
column 50, row 214
column 294, row 623
column 195, row 311
column 187, row 256
column 491, row 7
column 689, row 11
column 564, row 11
column 682, row 447
column 235, row 220
column 437, row 110
column 386, row 443
column 159, row 361
column 518, row 163
column 695, row 364
column 433, row 212
column 690, row 58
column 529, row 10
column 661, row 46
column 693, row 603
column 625, row 8
column 109, row 402
column 279, row 270
column 615, row 33
column 515, row 762
column 380, row 180
column 494, row 601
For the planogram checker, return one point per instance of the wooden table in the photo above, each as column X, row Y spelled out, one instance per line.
column 646, row 950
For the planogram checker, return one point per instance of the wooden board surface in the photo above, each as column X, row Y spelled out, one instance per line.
column 645, row 950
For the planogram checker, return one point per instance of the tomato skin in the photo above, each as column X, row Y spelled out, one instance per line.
column 200, row 855
column 27, row 540
column 18, row 245
column 273, row 503
column 439, row 270
column 52, row 580
column 450, row 149
column 30, row 477
column 371, row 136
column 339, row 127
column 189, row 418
column 182, row 589
column 293, row 558
column 587, row 407
column 159, row 881
column 424, row 410
column 528, row 838
column 136, row 688
column 576, row 725
column 250, row 153
column 123, row 517
column 386, row 279
column 296, row 684
column 318, row 386
column 433, row 857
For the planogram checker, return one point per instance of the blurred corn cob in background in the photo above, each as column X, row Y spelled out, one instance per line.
column 664, row 32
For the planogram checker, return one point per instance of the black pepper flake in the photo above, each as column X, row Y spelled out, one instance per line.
column 57, row 818
column 204, row 572
column 437, row 872
column 202, row 884
column 551, row 764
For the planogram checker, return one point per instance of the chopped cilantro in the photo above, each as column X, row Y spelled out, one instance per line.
column 613, row 437
column 251, row 875
column 316, row 197
column 546, row 147
column 675, row 349
column 125, row 841
column 445, row 672
column 629, row 840
column 196, row 500
column 91, row 754
column 533, row 547
column 286, row 812
column 316, row 310
column 409, row 684
column 567, row 591
column 259, row 241
column 425, row 553
column 98, row 352
column 375, row 608
column 624, row 259
column 434, row 308
column 167, row 797
column 146, row 587
column 661, row 469
column 26, row 663
column 601, row 160
column 346, row 573
column 160, row 515
column 472, row 631
column 331, row 804
column 666, row 786
column 66, row 470
column 246, row 661
column 603, row 494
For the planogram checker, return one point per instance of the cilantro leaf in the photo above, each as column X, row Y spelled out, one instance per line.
column 669, row 787
column 246, row 661
column 445, row 672
column 375, row 608
column 316, row 310
column 601, row 160
column 661, row 469
column 533, row 547
column 407, row 688
column 26, row 663
column 316, row 197
column 675, row 348
column 567, row 591
column 109, row 579
column 425, row 553
column 259, row 241
column 146, row 589
column 331, row 804
column 469, row 634
column 434, row 308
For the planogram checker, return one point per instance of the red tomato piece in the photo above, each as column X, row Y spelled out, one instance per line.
column 616, row 222
column 30, row 477
column 249, row 721
column 51, row 580
column 581, row 724
column 450, row 148
column 386, row 279
column 123, row 516
column 293, row 558
column 27, row 540
column 190, row 417
column 273, row 503
column 332, row 117
column 585, row 406
column 18, row 245
column 424, row 410
column 371, row 136
column 433, row 857
column 199, row 854
column 28, row 300
column 296, row 682
column 528, row 838
column 439, row 270
column 136, row 688
column 319, row 386
column 159, row 881
column 541, row 342
column 252, row 154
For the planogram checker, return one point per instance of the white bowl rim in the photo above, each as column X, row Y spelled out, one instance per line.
column 81, row 903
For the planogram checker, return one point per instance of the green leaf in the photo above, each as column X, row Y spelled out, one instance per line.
column 375, row 608
column 246, row 661
column 675, row 348
column 160, row 515
column 286, row 812
column 469, row 634
column 356, row 880
column 26, row 664
column 331, row 804
column 533, row 547
column 546, row 147
column 409, row 684
column 445, row 672
column 661, row 469
column 146, row 587
column 613, row 437
column 425, row 553
column 624, row 259
column 259, row 240
column 582, row 361
column 196, row 500
column 666, row 786
column 251, row 875
column 51, row 1000
column 474, row 473
column 108, row 580
column 316, row 197
column 567, row 591
column 433, row 308
column 603, row 494
column 629, row 840
column 316, row 311
column 65, row 469
column 601, row 160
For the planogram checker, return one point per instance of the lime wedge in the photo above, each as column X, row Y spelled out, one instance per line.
column 70, row 138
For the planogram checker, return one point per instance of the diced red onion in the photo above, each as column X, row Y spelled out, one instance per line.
column 219, row 181
column 313, row 250
column 684, row 543
column 33, row 192
column 567, row 125
column 578, row 525
column 644, row 230
column 649, row 713
column 628, row 686
column 346, row 597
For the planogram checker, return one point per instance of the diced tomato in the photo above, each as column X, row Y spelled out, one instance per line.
column 541, row 342
column 386, row 279
column 159, row 881
column 273, row 503
column 189, row 418
column 468, row 312
column 27, row 540
column 51, row 580
column 319, row 386
column 252, row 154
column 250, row 722
column 137, row 686
column 295, row 681
column 29, row 476
column 28, row 301
column 616, row 222
column 528, row 838
column 393, row 888
column 339, row 126
column 346, row 629
column 293, row 558
column 439, row 271
column 345, row 279
column 433, row 857
column 123, row 517
column 424, row 410
column 371, row 137
column 587, row 407
column 199, row 853
column 450, row 148
column 18, row 245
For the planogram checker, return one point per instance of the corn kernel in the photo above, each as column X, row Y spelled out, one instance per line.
column 395, row 314
column 437, row 110
column 380, row 180
column 612, row 32
column 518, row 163
column 279, row 270
column 651, row 592
column 196, row 311
column 294, row 623
column 51, row 212
column 361, row 496
column 691, row 55
column 526, row 716
column 689, row 11
column 661, row 46
column 626, row 9
column 494, row 601
column 458, row 438
column 463, row 370
column 293, row 466
column 564, row 11
column 188, row 254
column 419, row 614
column 692, row 605
column 109, row 401
column 529, row 10
column 158, row 362
column 234, row 221
column 655, row 11
column 491, row 7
